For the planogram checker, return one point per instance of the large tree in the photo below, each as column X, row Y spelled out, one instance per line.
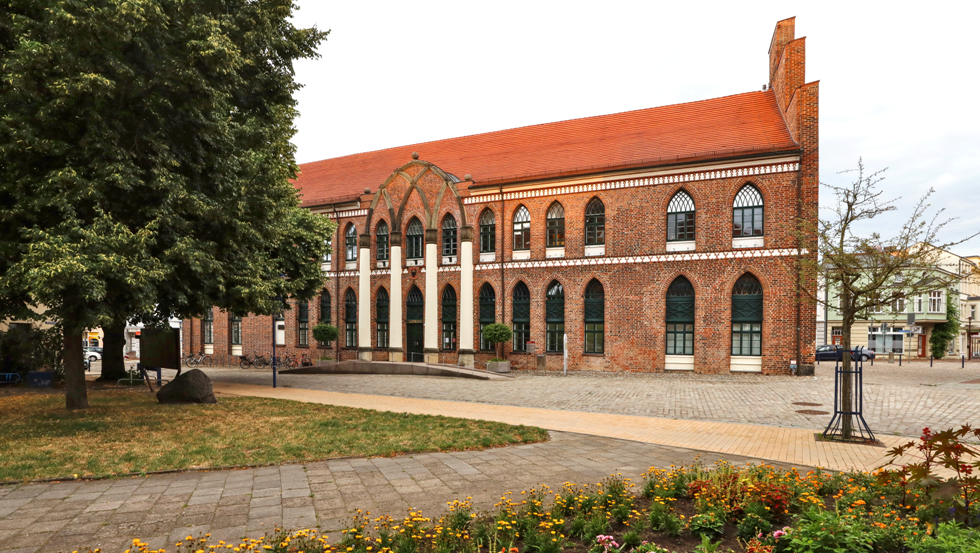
column 865, row 271
column 145, row 160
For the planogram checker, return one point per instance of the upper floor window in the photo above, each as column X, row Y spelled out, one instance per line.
column 521, row 316
column 555, row 317
column 556, row 226
column 898, row 305
column 595, row 317
column 680, row 217
column 522, row 229
column 350, row 241
column 595, row 223
column 973, row 312
column 416, row 238
column 488, row 232
column 383, row 244
column 747, row 212
column 936, row 303
column 449, row 235
column 328, row 255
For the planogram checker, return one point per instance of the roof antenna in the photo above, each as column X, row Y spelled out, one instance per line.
column 763, row 87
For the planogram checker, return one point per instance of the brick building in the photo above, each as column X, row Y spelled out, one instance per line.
column 656, row 239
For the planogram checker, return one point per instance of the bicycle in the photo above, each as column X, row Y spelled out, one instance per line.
column 202, row 357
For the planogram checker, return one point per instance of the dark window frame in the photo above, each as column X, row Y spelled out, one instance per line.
column 303, row 323
column 324, row 315
column 350, row 242
column 488, row 232
column 521, row 317
column 236, row 330
column 595, row 223
column 595, row 317
column 382, row 239
column 680, row 317
column 522, row 229
column 207, row 327
column 555, row 226
column 415, row 236
column 350, row 319
column 681, row 217
column 450, row 241
column 748, row 206
column 449, row 316
column 747, row 316
column 487, row 314
column 382, row 318
column 554, row 318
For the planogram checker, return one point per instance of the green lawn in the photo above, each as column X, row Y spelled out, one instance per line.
column 127, row 431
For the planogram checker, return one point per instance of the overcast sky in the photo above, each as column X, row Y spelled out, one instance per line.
column 898, row 81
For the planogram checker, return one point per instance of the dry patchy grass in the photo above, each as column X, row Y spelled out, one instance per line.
column 129, row 432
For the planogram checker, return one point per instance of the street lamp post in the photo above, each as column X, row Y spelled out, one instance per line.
column 969, row 337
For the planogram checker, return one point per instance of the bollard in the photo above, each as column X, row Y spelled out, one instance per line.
column 873, row 361
column 930, row 360
column 900, row 360
column 962, row 361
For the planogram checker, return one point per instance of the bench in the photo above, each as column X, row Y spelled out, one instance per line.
column 9, row 378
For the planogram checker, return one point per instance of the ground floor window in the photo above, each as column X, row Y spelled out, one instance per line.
column 382, row 335
column 680, row 339
column 522, row 333
column 555, row 337
column 594, row 338
column 484, row 344
column 236, row 331
column 449, row 336
column 351, row 335
column 746, row 338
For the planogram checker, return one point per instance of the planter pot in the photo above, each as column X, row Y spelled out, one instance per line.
column 38, row 379
column 499, row 367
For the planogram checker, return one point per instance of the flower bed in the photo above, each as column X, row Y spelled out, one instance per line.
column 755, row 509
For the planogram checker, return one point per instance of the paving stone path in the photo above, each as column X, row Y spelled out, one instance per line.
column 163, row 509
column 898, row 400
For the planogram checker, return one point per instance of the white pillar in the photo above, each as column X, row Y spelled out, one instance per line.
column 431, row 348
column 395, row 351
column 466, row 297
column 364, row 300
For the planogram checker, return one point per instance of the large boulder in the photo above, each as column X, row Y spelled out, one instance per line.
column 192, row 386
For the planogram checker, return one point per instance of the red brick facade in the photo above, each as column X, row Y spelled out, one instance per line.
column 635, row 268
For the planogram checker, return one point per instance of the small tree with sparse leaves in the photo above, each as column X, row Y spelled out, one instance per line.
column 496, row 334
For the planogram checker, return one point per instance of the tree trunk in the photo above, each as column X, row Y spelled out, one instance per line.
column 113, row 362
column 847, row 381
column 76, row 395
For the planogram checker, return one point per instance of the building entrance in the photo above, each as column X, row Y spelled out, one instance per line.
column 416, row 340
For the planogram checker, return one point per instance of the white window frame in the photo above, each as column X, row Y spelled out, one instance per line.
column 937, row 297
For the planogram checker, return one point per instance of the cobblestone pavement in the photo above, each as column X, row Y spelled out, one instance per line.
column 898, row 400
column 163, row 509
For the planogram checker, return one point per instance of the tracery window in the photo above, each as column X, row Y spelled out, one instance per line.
column 747, row 212
column 488, row 313
column 415, row 305
column 595, row 315
column 416, row 238
column 350, row 319
column 680, row 317
column 449, row 235
column 384, row 250
column 522, row 229
column 383, row 307
column 449, row 318
column 554, row 317
column 521, row 316
column 680, row 217
column 747, row 316
column 595, row 223
column 555, row 224
column 303, row 323
column 350, row 241
column 488, row 232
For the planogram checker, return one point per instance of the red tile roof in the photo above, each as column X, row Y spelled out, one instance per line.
column 720, row 127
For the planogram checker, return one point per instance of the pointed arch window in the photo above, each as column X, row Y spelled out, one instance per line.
column 747, row 212
column 595, row 223
column 415, row 306
column 383, row 308
column 555, row 225
column 350, row 242
column 449, row 235
column 324, row 312
column 350, row 319
column 384, row 249
column 208, row 326
column 680, row 317
column 449, row 318
column 236, row 330
column 522, row 229
column 416, row 238
column 680, row 217
column 488, row 232
column 488, row 313
column 747, row 316
column 595, row 317
column 521, row 316
column 303, row 323
column 554, row 317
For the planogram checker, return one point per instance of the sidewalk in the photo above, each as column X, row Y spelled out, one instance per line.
column 790, row 446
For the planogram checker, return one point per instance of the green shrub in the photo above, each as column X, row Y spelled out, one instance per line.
column 630, row 539
column 324, row 332
column 710, row 524
column 949, row 537
column 658, row 516
column 751, row 526
column 597, row 525
column 673, row 525
column 819, row 531
column 497, row 333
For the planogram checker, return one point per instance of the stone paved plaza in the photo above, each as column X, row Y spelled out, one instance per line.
column 163, row 509
column 898, row 400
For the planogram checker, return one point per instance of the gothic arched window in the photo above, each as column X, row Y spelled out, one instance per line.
column 595, row 317
column 350, row 242
column 488, row 232
column 488, row 313
column 747, row 212
column 680, row 217
column 554, row 317
column 521, row 316
column 415, row 305
column 522, row 229
column 303, row 323
column 595, row 223
column 680, row 317
column 416, row 239
column 325, row 311
column 350, row 319
column 383, row 244
column 449, row 235
column 383, row 307
column 449, row 318
column 555, row 225
column 747, row 316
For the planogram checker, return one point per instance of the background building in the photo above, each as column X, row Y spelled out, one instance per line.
column 657, row 239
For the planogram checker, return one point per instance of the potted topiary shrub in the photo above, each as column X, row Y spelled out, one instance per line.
column 497, row 334
column 324, row 333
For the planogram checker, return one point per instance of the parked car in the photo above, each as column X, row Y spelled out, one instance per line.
column 836, row 353
column 95, row 349
column 92, row 355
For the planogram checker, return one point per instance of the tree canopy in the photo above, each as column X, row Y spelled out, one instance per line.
column 145, row 162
